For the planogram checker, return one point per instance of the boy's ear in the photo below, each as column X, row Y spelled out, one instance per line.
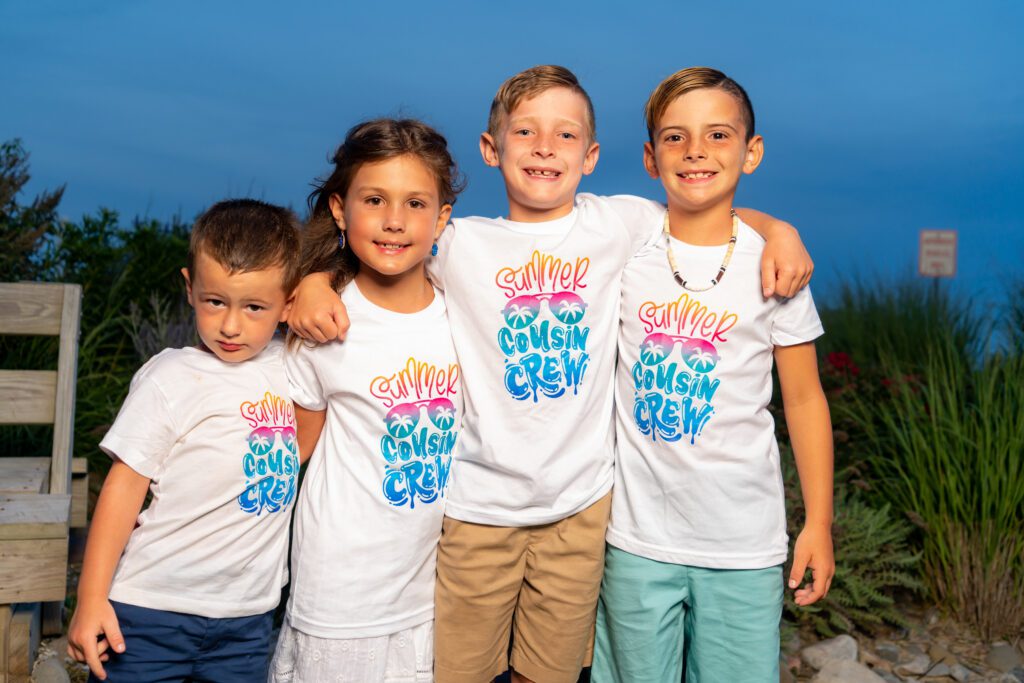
column 755, row 152
column 287, row 308
column 489, row 150
column 188, row 286
column 590, row 160
column 650, row 163
column 337, row 209
column 442, row 220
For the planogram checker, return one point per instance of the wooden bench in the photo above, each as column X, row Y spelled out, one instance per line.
column 35, row 492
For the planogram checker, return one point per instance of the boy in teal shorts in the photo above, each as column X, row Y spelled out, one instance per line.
column 697, row 536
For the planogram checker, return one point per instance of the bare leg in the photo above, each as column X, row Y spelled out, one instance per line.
column 519, row 678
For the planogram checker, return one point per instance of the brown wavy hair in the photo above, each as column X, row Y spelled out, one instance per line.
column 695, row 78
column 368, row 142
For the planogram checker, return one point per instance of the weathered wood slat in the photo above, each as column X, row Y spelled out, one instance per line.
column 33, row 571
column 31, row 307
column 79, row 492
column 28, row 396
column 23, row 641
column 24, row 475
column 64, row 406
column 34, row 516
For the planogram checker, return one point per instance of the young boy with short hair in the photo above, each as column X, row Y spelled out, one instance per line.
column 186, row 590
column 697, row 536
column 533, row 305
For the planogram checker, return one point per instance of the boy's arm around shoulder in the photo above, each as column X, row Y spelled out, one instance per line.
column 113, row 521
column 810, row 430
column 786, row 267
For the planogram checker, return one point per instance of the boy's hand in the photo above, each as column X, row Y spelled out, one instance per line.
column 317, row 313
column 786, row 267
column 93, row 619
column 813, row 549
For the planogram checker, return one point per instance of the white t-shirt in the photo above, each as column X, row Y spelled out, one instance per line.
column 534, row 312
column 697, row 478
column 217, row 441
column 369, row 514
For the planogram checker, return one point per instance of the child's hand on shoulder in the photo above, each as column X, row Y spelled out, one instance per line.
column 94, row 618
column 317, row 313
column 786, row 267
column 813, row 551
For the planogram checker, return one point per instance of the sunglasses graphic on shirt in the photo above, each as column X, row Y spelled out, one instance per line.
column 567, row 308
column 698, row 354
column 403, row 418
column 261, row 441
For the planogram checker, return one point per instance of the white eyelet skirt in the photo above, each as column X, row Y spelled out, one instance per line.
column 403, row 657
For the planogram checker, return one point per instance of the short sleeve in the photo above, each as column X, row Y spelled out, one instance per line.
column 436, row 264
column 642, row 217
column 796, row 320
column 143, row 433
column 303, row 380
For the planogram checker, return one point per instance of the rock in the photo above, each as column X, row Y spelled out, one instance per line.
column 888, row 677
column 915, row 667
column 1002, row 678
column 941, row 654
column 960, row 673
column 846, row 671
column 1003, row 657
column 1018, row 671
column 842, row 647
column 785, row 675
column 888, row 651
column 940, row 669
column 50, row 670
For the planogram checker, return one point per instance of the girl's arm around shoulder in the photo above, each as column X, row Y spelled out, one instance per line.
column 112, row 523
column 317, row 313
column 786, row 267
column 308, row 426
column 810, row 430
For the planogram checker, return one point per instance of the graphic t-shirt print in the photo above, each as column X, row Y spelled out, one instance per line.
column 271, row 461
column 419, row 431
column 543, row 338
column 674, row 379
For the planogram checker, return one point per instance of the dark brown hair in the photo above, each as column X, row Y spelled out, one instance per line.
column 368, row 142
column 533, row 82
column 695, row 78
column 244, row 235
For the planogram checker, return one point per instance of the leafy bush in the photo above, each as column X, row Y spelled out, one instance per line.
column 874, row 560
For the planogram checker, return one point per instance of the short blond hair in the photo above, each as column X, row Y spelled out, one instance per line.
column 687, row 80
column 533, row 82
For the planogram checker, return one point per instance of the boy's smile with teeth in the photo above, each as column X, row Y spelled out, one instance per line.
column 700, row 149
column 544, row 147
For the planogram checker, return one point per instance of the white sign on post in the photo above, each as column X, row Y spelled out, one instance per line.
column 937, row 253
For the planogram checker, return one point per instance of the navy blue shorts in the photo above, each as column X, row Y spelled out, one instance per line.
column 161, row 647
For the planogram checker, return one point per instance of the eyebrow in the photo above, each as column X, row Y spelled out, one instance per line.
column 381, row 190
column 731, row 127
column 515, row 119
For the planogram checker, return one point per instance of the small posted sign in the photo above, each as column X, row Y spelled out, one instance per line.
column 937, row 253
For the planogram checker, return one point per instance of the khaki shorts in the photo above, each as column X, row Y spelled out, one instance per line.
column 538, row 583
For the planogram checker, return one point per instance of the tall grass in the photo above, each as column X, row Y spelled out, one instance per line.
column 896, row 320
column 947, row 444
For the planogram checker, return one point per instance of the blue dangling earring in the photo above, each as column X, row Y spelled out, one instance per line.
column 433, row 249
column 341, row 240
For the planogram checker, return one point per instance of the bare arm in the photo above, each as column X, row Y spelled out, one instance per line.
column 308, row 425
column 786, row 267
column 118, row 507
column 317, row 313
column 810, row 430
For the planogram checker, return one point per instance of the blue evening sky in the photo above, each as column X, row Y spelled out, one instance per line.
column 880, row 118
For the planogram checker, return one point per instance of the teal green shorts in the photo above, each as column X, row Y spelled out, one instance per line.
column 654, row 618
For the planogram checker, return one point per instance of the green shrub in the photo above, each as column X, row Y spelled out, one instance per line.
column 874, row 561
